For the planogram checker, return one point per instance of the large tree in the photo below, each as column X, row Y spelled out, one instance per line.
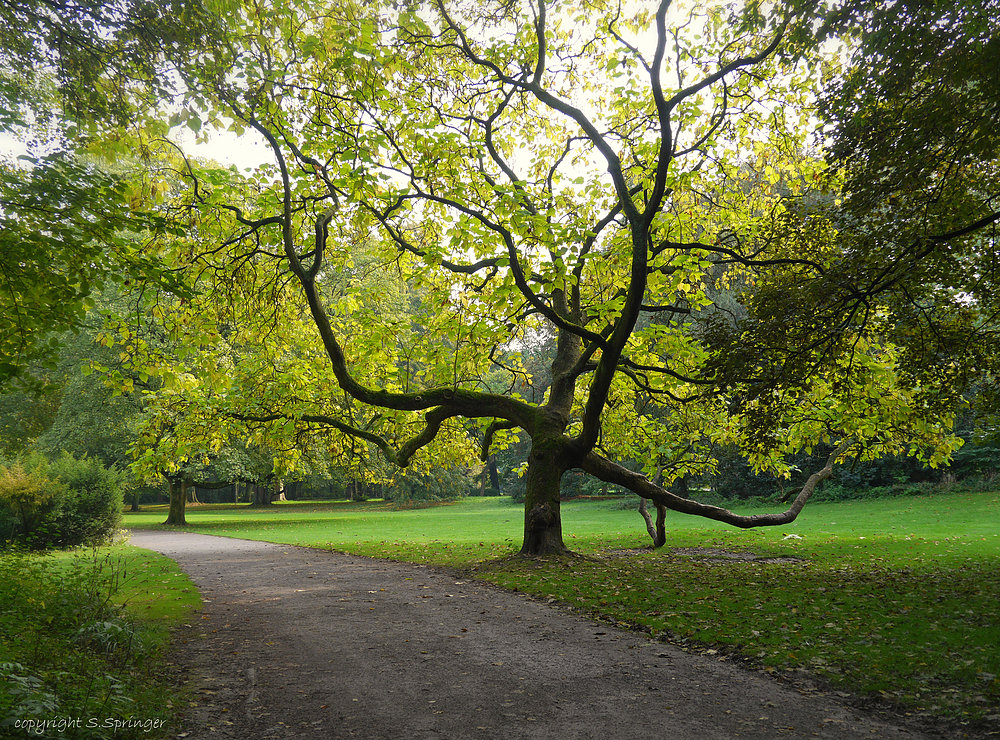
column 640, row 184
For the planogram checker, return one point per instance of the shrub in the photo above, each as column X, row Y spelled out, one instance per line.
column 27, row 496
column 65, row 503
column 91, row 510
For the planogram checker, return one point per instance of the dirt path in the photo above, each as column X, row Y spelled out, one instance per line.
column 300, row 643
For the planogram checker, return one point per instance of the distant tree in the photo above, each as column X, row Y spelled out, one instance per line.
column 25, row 413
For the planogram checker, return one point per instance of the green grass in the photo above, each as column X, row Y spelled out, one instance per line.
column 82, row 637
column 894, row 598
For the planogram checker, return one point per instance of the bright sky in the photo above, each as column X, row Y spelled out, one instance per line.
column 246, row 152
column 10, row 146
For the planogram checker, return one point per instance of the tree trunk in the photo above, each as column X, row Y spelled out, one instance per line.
column 192, row 493
column 681, row 488
column 135, row 501
column 178, row 500
column 542, row 521
column 356, row 491
column 658, row 531
column 262, row 495
column 279, row 490
column 491, row 465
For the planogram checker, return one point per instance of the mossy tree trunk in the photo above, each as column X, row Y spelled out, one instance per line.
column 552, row 453
column 542, row 518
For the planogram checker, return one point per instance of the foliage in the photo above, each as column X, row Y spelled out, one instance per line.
column 65, row 503
column 640, row 187
column 27, row 496
column 66, row 407
column 91, row 511
column 412, row 487
column 912, row 159
column 91, row 419
column 982, row 460
column 626, row 233
column 735, row 478
column 66, row 228
column 73, row 205
column 25, row 413
column 68, row 648
column 77, row 66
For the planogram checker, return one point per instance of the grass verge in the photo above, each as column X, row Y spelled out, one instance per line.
column 892, row 599
column 82, row 638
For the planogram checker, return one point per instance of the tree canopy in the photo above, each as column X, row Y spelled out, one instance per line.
column 76, row 199
column 712, row 210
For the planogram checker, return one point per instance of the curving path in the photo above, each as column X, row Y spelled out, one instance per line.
column 301, row 643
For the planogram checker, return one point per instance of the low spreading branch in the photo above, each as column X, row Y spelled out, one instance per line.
column 611, row 472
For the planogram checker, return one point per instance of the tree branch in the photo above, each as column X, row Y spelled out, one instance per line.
column 328, row 421
column 606, row 470
column 491, row 431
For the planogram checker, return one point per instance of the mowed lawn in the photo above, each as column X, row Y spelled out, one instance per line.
column 896, row 599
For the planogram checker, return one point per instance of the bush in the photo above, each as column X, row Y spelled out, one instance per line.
column 27, row 497
column 65, row 503
column 837, row 492
column 91, row 511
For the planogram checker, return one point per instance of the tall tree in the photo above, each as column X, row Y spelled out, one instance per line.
column 601, row 176
column 536, row 168
column 913, row 156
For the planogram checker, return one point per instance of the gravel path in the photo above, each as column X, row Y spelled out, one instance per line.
column 301, row 643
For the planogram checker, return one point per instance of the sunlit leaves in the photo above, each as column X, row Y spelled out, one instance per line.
column 67, row 227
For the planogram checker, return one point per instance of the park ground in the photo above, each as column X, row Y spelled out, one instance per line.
column 890, row 601
column 301, row 643
column 889, row 604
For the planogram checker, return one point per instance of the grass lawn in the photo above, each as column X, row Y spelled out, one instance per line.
column 894, row 598
column 82, row 637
